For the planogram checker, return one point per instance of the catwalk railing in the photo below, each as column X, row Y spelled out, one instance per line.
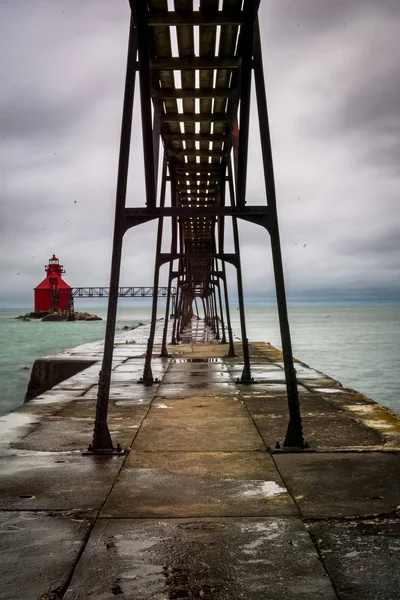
column 123, row 292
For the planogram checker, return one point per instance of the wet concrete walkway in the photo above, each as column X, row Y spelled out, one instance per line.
column 201, row 507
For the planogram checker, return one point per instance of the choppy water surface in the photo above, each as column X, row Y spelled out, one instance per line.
column 359, row 346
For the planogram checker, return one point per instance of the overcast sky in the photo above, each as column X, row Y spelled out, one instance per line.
column 333, row 77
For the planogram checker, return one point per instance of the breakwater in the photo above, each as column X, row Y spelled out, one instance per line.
column 203, row 504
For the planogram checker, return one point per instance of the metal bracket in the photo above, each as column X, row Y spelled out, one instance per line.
column 290, row 449
column 117, row 451
column 147, row 381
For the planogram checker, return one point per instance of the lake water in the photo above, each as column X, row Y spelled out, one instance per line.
column 358, row 346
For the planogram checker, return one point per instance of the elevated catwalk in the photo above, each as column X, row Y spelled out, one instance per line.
column 196, row 63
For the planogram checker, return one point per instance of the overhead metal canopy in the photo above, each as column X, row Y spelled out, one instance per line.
column 196, row 69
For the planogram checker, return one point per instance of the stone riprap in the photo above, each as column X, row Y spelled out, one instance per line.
column 201, row 505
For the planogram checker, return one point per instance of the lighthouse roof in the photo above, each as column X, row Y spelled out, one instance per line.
column 45, row 284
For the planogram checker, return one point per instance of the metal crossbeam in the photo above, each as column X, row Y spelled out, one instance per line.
column 195, row 18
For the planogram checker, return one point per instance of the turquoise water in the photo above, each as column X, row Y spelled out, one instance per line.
column 359, row 346
column 22, row 342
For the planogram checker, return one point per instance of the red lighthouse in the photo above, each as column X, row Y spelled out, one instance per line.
column 53, row 294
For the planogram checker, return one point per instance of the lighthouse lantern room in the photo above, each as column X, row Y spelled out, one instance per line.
column 53, row 294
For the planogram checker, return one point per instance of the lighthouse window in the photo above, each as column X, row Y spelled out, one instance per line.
column 53, row 261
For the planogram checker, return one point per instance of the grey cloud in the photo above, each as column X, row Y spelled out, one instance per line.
column 335, row 145
column 318, row 16
column 356, row 90
column 387, row 241
column 35, row 113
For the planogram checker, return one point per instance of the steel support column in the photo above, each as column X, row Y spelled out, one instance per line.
column 141, row 20
column 214, row 297
column 246, row 373
column 164, row 349
column 102, row 442
column 246, row 42
column 223, row 337
column 174, row 228
column 231, row 351
column 147, row 372
column 294, row 435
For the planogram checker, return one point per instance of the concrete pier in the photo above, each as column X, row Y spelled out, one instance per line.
column 202, row 505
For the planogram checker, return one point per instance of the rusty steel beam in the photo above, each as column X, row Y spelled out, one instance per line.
column 193, row 152
column 174, row 93
column 195, row 118
column 102, row 442
column 294, row 435
column 245, row 90
column 147, row 371
column 194, row 18
column 141, row 17
column 246, row 373
column 195, row 62
column 196, row 137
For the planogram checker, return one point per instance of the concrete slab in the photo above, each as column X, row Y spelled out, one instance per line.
column 197, row 407
column 189, row 351
column 196, row 377
column 42, row 410
column 86, row 409
column 268, row 376
column 58, row 436
column 156, row 362
column 15, row 426
column 266, row 367
column 219, row 559
column 53, row 395
column 131, row 367
column 134, row 392
column 169, row 484
column 187, row 390
column 70, row 384
column 237, row 434
column 262, row 389
column 342, row 484
column 324, row 383
column 277, row 404
column 204, row 367
column 37, row 553
column 72, row 433
column 56, row 481
column 197, row 362
column 362, row 557
column 330, row 390
column 321, row 431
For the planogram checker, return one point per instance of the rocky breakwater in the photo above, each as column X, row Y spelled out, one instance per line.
column 84, row 316
column 44, row 316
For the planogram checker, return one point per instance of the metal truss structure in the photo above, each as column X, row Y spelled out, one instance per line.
column 196, row 69
column 123, row 292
